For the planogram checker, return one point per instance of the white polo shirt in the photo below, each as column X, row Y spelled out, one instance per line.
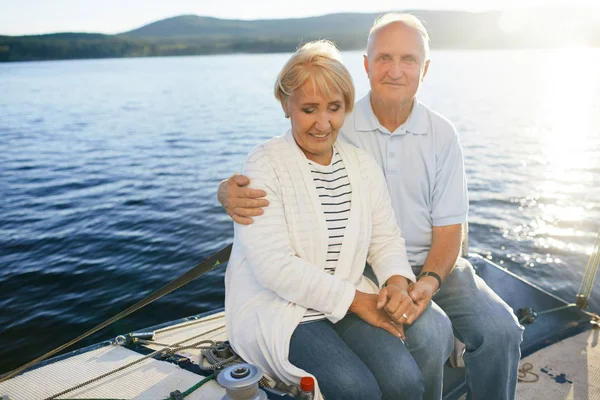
column 424, row 169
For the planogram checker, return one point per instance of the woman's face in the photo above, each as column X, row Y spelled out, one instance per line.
column 316, row 120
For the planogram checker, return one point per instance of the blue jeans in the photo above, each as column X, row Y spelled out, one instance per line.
column 430, row 341
column 353, row 360
column 489, row 329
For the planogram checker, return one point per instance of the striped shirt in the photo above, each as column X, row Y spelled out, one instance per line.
column 335, row 193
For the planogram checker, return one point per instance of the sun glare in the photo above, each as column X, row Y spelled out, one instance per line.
column 550, row 27
column 566, row 108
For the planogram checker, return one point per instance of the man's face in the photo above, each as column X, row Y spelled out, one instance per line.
column 395, row 63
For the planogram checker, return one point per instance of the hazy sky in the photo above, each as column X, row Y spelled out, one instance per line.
column 24, row 17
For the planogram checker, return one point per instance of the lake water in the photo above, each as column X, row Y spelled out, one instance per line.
column 109, row 171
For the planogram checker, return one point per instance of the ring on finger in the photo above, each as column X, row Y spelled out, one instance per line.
column 404, row 316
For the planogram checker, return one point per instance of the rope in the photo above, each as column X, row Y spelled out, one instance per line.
column 216, row 362
column 556, row 309
column 200, row 269
column 186, row 324
column 526, row 370
column 197, row 385
column 104, row 375
column 184, row 394
column 201, row 334
column 166, row 351
column 549, row 311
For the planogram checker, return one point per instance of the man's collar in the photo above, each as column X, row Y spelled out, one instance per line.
column 417, row 122
column 365, row 119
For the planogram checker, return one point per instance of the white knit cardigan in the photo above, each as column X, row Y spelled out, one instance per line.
column 276, row 270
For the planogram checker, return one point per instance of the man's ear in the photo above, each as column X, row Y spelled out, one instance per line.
column 366, row 64
column 425, row 69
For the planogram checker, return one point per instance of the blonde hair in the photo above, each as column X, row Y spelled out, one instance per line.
column 407, row 19
column 322, row 62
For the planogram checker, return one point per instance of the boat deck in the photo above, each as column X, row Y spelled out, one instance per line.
column 567, row 370
column 149, row 379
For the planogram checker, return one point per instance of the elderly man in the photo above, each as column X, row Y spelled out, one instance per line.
column 420, row 153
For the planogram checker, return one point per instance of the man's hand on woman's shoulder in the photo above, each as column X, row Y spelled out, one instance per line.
column 239, row 201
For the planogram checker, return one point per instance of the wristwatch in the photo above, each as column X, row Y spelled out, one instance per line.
column 433, row 275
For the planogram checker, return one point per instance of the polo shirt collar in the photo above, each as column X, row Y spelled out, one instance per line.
column 365, row 119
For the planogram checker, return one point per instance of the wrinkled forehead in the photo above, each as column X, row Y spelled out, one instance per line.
column 396, row 38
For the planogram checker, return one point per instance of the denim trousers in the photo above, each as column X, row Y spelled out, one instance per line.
column 353, row 360
column 489, row 329
column 483, row 322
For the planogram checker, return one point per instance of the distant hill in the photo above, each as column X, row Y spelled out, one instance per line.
column 349, row 30
column 194, row 35
column 194, row 26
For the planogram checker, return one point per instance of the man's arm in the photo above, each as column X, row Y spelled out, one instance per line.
column 239, row 201
column 449, row 209
column 445, row 249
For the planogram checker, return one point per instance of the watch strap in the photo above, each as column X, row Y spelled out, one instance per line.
column 433, row 275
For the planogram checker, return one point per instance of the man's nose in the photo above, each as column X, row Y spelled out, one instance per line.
column 396, row 71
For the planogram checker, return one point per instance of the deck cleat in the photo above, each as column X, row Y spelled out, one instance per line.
column 526, row 315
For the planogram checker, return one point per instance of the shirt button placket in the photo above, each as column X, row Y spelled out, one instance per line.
column 392, row 157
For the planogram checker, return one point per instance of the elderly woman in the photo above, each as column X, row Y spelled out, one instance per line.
column 297, row 303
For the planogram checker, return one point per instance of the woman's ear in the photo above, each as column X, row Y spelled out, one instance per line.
column 285, row 106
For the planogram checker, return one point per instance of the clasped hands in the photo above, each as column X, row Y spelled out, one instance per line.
column 396, row 304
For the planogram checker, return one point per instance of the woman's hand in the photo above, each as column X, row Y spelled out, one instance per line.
column 364, row 306
column 398, row 304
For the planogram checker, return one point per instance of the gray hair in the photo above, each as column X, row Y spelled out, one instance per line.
column 407, row 19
